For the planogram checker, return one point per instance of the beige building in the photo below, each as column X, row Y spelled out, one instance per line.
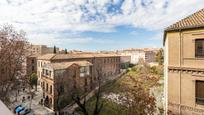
column 184, row 65
column 33, row 53
column 42, row 49
column 78, row 70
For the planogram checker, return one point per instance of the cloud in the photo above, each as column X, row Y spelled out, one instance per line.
column 67, row 38
column 157, row 37
column 42, row 18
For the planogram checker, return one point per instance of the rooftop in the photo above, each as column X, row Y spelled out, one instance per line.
column 64, row 65
column 195, row 20
column 71, row 56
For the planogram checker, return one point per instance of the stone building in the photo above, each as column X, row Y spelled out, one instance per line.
column 79, row 70
column 42, row 49
column 184, row 65
column 31, row 58
column 60, row 79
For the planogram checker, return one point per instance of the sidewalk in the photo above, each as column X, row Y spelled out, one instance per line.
column 72, row 107
column 37, row 109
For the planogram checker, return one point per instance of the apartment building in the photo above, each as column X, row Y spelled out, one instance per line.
column 33, row 53
column 76, row 70
column 184, row 65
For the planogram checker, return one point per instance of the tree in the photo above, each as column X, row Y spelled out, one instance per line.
column 65, row 51
column 138, row 101
column 13, row 49
column 33, row 80
column 160, row 56
column 55, row 50
column 98, row 103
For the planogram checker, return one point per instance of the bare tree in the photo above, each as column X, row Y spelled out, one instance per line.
column 59, row 88
column 98, row 103
column 12, row 55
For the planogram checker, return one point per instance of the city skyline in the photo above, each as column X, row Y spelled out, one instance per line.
column 95, row 25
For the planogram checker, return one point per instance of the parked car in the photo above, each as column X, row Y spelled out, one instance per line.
column 19, row 109
column 25, row 111
column 16, row 108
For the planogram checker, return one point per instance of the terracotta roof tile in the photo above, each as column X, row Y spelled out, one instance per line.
column 64, row 65
column 71, row 56
column 193, row 21
column 46, row 57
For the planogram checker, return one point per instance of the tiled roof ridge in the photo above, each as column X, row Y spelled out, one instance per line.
column 191, row 21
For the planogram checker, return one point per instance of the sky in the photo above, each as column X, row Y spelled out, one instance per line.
column 95, row 24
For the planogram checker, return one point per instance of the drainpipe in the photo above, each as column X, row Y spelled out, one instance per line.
column 180, row 72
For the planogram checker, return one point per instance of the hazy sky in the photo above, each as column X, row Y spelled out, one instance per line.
column 95, row 24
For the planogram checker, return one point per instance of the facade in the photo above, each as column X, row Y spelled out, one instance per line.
column 31, row 64
column 59, row 80
column 42, row 49
column 125, row 61
column 104, row 65
column 148, row 55
column 33, row 53
column 184, row 65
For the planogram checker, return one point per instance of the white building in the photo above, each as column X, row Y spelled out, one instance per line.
column 147, row 55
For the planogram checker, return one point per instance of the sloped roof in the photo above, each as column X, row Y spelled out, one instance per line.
column 195, row 20
column 72, row 56
column 64, row 65
column 46, row 56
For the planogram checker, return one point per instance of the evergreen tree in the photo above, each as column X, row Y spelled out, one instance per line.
column 65, row 51
column 54, row 50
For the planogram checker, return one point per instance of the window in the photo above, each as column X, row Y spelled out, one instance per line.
column 200, row 92
column 50, row 73
column 43, row 71
column 199, row 48
column 46, row 86
column 46, row 72
column 33, row 68
column 86, row 82
column 50, row 89
column 84, row 71
column 32, row 61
